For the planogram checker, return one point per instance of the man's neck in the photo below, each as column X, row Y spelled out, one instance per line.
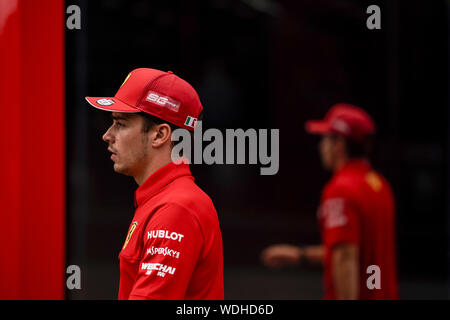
column 343, row 161
column 340, row 162
column 154, row 165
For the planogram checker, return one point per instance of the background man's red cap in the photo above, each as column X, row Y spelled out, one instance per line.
column 161, row 94
column 344, row 120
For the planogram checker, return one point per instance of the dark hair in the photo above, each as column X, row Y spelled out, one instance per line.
column 359, row 149
column 151, row 121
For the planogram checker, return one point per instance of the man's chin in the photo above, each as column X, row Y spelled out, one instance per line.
column 327, row 166
column 118, row 169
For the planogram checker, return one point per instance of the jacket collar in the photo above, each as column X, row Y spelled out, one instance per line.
column 354, row 165
column 159, row 179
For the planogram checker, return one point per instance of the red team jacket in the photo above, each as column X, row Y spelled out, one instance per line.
column 173, row 249
column 357, row 207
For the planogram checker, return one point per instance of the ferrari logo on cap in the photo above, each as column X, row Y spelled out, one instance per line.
column 130, row 233
column 125, row 79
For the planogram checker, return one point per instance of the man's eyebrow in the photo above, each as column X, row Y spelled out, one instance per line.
column 119, row 117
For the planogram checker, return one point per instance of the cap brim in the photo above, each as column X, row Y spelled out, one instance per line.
column 111, row 104
column 317, row 127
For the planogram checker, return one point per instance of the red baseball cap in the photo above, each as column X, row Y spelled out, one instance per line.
column 344, row 120
column 161, row 94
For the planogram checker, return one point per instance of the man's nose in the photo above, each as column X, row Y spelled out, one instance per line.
column 107, row 137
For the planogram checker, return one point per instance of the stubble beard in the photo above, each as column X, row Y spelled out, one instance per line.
column 136, row 159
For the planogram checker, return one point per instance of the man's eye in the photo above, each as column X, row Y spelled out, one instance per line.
column 119, row 124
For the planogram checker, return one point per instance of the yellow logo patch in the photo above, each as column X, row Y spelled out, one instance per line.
column 130, row 233
column 374, row 181
column 125, row 79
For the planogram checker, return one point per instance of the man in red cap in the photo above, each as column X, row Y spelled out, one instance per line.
column 356, row 214
column 173, row 249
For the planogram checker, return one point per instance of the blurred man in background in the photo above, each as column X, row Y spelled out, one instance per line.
column 356, row 214
column 173, row 249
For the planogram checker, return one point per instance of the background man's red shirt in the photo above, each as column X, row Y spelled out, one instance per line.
column 357, row 207
column 173, row 249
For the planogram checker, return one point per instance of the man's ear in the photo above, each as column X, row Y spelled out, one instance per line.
column 161, row 134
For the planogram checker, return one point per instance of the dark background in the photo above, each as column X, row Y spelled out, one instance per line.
column 267, row 64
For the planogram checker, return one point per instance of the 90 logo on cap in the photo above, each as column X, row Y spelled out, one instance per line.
column 163, row 101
